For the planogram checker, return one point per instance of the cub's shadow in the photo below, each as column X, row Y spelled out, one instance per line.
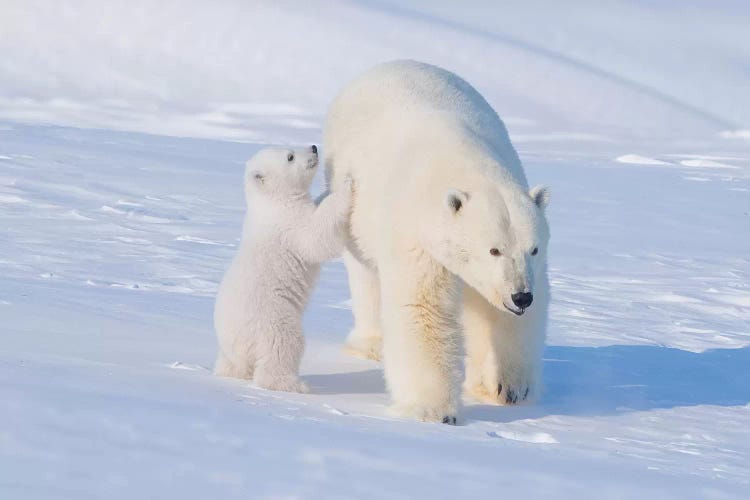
column 616, row 379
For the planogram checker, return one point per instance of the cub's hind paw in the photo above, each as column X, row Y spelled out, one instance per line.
column 284, row 384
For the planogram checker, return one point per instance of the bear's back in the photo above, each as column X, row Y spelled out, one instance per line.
column 406, row 100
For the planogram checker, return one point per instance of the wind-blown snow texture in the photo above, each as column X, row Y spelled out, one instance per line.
column 112, row 245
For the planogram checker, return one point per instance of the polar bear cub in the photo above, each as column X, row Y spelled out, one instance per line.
column 285, row 238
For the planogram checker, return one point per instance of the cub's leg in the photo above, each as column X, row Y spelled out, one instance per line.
column 366, row 338
column 278, row 353
column 224, row 367
column 236, row 356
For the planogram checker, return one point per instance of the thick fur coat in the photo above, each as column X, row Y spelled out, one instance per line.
column 446, row 242
column 285, row 238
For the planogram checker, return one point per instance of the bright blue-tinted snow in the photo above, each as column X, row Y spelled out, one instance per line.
column 112, row 245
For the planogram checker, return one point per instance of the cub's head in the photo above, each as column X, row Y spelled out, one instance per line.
column 280, row 171
column 495, row 238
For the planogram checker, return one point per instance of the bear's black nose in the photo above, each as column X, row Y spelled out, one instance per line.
column 314, row 149
column 522, row 299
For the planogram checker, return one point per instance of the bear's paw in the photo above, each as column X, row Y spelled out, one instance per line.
column 284, row 384
column 364, row 346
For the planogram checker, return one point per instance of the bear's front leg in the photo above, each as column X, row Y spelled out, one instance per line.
column 479, row 320
column 421, row 340
column 504, row 352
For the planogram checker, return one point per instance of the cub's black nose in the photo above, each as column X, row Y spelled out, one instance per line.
column 314, row 149
column 522, row 299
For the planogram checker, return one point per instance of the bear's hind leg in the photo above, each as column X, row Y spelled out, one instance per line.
column 366, row 338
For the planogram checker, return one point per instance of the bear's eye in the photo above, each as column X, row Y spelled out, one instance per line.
column 495, row 252
column 290, row 157
column 535, row 251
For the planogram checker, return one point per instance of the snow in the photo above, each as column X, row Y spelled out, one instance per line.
column 113, row 239
column 640, row 160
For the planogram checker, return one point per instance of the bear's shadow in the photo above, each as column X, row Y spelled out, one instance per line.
column 623, row 378
column 601, row 381
column 362, row 382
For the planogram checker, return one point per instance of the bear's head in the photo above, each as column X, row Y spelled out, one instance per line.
column 496, row 241
column 280, row 171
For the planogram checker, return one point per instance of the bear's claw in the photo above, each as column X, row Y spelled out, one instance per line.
column 512, row 397
column 449, row 420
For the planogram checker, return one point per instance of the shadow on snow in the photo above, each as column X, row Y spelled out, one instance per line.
column 617, row 379
column 601, row 381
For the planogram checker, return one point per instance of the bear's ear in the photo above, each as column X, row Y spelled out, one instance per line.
column 455, row 200
column 257, row 178
column 540, row 195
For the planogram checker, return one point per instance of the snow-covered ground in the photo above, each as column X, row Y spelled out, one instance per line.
column 113, row 241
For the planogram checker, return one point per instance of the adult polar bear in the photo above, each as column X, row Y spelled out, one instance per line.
column 440, row 200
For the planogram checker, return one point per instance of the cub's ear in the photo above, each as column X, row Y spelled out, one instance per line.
column 257, row 178
column 540, row 195
column 455, row 200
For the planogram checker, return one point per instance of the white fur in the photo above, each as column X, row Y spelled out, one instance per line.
column 285, row 238
column 419, row 142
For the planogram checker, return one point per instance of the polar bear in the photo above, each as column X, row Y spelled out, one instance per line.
column 445, row 238
column 285, row 238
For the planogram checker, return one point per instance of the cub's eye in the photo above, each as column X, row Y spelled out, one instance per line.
column 290, row 157
column 535, row 251
column 495, row 252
